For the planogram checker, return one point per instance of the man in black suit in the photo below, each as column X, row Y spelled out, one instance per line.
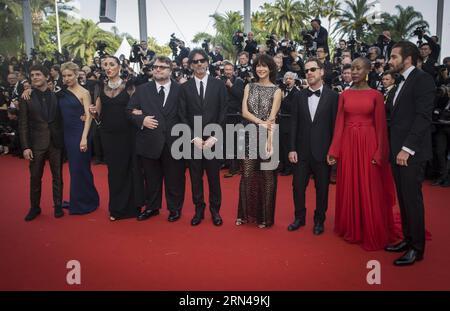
column 313, row 115
column 154, row 110
column 41, row 136
column 410, row 146
column 205, row 97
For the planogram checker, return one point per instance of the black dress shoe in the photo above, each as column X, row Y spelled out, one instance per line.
column 58, row 212
column 318, row 229
column 174, row 216
column 409, row 258
column 296, row 225
column 32, row 214
column 397, row 248
column 437, row 182
column 147, row 214
column 196, row 220
column 217, row 220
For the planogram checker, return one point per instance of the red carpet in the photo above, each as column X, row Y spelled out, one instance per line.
column 158, row 255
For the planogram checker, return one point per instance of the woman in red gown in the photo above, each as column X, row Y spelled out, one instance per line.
column 364, row 186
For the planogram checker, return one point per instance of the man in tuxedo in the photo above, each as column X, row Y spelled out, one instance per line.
column 205, row 97
column 41, row 136
column 154, row 110
column 313, row 115
column 410, row 146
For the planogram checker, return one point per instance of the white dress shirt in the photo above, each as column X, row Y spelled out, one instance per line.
column 166, row 90
column 313, row 102
column 197, row 84
column 400, row 86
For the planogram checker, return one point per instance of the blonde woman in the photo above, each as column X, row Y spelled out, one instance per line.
column 74, row 101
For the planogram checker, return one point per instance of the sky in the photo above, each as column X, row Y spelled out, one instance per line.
column 187, row 17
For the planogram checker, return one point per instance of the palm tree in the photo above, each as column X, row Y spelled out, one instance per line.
column 226, row 25
column 81, row 40
column 285, row 17
column 403, row 24
column 353, row 19
column 11, row 29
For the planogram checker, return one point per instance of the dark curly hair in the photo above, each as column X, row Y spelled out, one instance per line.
column 266, row 60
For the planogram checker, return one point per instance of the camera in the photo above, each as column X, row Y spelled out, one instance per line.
column 205, row 45
column 443, row 91
column 174, row 43
column 100, row 47
column 245, row 73
column 238, row 39
column 419, row 32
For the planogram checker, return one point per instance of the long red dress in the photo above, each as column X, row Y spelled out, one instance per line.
column 365, row 192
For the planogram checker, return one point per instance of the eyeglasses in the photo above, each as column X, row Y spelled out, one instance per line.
column 198, row 61
column 156, row 67
column 313, row 69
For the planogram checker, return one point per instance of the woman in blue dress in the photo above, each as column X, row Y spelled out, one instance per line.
column 74, row 102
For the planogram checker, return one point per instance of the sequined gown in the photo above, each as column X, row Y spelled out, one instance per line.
column 257, row 190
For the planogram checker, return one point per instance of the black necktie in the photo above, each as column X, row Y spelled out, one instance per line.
column 202, row 91
column 161, row 95
column 311, row 93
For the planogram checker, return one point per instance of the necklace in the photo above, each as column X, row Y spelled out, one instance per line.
column 114, row 85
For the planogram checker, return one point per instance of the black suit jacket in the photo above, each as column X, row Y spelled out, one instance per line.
column 410, row 117
column 322, row 39
column 35, row 132
column 286, row 109
column 213, row 109
column 150, row 142
column 313, row 137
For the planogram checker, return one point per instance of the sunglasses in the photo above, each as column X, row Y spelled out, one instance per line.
column 198, row 61
column 313, row 69
column 156, row 67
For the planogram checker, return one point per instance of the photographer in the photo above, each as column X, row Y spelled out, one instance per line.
column 388, row 81
column 385, row 43
column 442, row 136
column 295, row 63
column 272, row 44
column 140, row 53
column 429, row 63
column 376, row 74
column 345, row 80
column 235, row 90
column 237, row 40
column 320, row 36
column 340, row 48
column 434, row 45
column 55, row 74
column 251, row 45
column 216, row 59
column 284, row 119
column 244, row 69
column 322, row 55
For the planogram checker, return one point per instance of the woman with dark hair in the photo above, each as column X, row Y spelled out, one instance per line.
column 117, row 141
column 257, row 190
column 364, row 186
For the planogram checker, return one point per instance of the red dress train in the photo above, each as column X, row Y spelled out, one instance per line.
column 365, row 192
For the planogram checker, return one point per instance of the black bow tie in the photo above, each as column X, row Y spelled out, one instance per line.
column 400, row 78
column 311, row 93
